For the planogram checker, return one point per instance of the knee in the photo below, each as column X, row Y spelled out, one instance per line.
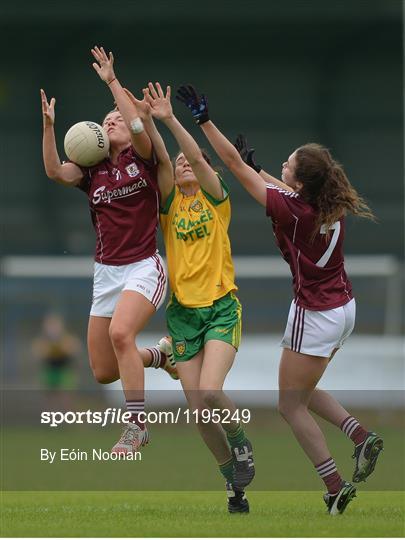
column 120, row 337
column 285, row 407
column 210, row 397
column 289, row 408
column 104, row 376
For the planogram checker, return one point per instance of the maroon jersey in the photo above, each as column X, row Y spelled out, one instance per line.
column 124, row 206
column 317, row 267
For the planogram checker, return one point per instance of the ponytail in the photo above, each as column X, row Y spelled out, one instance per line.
column 326, row 187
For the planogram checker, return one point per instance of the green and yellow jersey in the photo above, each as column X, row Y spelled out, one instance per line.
column 195, row 232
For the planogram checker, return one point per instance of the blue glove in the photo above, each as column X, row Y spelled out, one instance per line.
column 198, row 105
column 246, row 153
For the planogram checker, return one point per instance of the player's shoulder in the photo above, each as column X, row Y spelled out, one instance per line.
column 221, row 202
column 130, row 154
column 273, row 188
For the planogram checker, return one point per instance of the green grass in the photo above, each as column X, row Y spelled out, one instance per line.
column 119, row 499
column 180, row 514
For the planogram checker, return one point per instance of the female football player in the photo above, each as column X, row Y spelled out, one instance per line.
column 129, row 275
column 307, row 209
column 203, row 315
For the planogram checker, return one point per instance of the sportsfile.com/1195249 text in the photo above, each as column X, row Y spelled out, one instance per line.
column 118, row 416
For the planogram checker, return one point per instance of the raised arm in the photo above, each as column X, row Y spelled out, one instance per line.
column 225, row 150
column 248, row 177
column 162, row 109
column 67, row 174
column 104, row 67
column 165, row 168
column 246, row 154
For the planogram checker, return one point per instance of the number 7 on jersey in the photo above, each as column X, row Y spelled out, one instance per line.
column 327, row 255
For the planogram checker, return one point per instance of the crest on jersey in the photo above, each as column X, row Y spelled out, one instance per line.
column 180, row 347
column 132, row 170
column 196, row 206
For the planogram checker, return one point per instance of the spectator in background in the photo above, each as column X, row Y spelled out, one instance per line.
column 57, row 349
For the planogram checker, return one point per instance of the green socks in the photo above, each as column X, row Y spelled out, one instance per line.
column 227, row 470
column 236, row 438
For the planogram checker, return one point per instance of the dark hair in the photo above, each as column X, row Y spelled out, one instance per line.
column 206, row 156
column 203, row 151
column 326, row 187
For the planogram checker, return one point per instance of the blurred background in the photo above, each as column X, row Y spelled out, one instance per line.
column 282, row 72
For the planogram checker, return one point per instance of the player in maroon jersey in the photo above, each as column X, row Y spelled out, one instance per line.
column 129, row 276
column 307, row 209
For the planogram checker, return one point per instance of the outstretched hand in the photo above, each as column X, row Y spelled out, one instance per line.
column 161, row 107
column 198, row 104
column 246, row 153
column 142, row 106
column 48, row 109
column 104, row 64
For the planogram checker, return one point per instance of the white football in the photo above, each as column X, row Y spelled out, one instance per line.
column 86, row 143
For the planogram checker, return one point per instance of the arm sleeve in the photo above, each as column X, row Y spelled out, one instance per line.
column 279, row 204
column 84, row 184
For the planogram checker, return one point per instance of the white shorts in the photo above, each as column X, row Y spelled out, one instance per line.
column 318, row 333
column 147, row 277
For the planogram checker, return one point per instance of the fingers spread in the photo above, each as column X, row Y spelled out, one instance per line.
column 100, row 55
column 152, row 91
column 95, row 52
column 147, row 97
column 159, row 90
column 103, row 54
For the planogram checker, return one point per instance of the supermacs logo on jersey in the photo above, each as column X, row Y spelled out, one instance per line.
column 102, row 194
column 132, row 170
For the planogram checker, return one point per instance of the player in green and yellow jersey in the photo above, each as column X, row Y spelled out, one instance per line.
column 203, row 315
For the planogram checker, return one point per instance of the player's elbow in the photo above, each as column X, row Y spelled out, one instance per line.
column 195, row 159
column 54, row 172
column 57, row 177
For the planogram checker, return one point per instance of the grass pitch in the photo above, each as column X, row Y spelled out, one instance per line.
column 193, row 514
column 118, row 499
